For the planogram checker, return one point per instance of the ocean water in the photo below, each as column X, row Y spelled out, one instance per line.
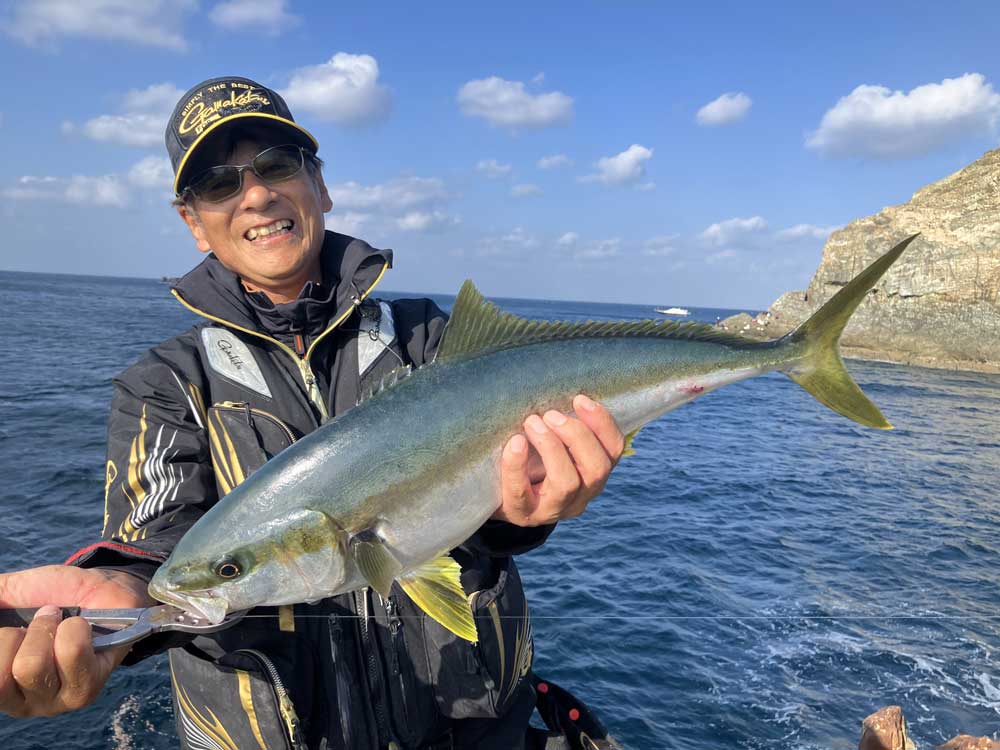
column 762, row 574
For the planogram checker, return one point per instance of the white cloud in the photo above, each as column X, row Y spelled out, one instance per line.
column 152, row 172
column 727, row 109
column 723, row 256
column 492, row 168
column 625, row 168
column 806, row 231
column 507, row 104
column 156, row 23
column 733, row 230
column 268, row 16
column 518, row 236
column 344, row 90
column 524, row 190
column 874, row 122
column 600, row 250
column 141, row 122
column 103, row 190
column 411, row 204
column 661, row 245
column 426, row 221
column 350, row 222
column 401, row 194
column 568, row 239
column 513, row 243
column 555, row 161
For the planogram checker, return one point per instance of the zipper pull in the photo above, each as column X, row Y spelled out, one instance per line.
column 393, row 616
column 246, row 408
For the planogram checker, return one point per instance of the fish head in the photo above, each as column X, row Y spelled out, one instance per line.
column 218, row 568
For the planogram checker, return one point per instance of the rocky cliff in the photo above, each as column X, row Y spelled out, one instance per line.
column 939, row 306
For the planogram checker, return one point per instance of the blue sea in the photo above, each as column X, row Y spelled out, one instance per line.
column 761, row 574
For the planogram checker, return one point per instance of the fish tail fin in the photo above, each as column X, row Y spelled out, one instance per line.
column 821, row 371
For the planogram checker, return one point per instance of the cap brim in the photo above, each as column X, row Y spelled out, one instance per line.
column 304, row 136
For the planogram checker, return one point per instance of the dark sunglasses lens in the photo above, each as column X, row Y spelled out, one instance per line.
column 217, row 183
column 278, row 163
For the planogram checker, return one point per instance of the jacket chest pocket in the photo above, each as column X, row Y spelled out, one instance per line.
column 477, row 680
column 243, row 438
column 244, row 700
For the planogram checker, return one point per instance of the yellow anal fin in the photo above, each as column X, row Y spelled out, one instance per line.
column 629, row 450
column 436, row 587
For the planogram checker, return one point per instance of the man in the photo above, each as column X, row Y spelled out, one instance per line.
column 292, row 335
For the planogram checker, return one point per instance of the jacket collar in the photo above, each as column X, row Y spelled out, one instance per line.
column 352, row 265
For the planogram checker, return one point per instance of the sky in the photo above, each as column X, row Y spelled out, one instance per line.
column 693, row 154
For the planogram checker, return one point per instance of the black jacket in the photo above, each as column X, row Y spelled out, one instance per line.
column 200, row 412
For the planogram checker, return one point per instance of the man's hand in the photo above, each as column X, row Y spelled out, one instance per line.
column 50, row 667
column 558, row 465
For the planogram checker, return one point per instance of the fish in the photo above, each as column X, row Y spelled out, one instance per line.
column 383, row 492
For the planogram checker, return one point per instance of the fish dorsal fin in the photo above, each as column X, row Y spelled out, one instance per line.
column 376, row 563
column 477, row 326
column 436, row 587
column 385, row 383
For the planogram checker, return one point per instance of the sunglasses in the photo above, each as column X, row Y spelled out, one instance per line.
column 271, row 165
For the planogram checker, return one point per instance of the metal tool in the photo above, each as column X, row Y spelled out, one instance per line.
column 121, row 627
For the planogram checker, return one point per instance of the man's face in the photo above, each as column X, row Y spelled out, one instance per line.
column 279, row 262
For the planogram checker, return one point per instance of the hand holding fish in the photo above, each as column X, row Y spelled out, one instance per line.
column 559, row 465
column 50, row 667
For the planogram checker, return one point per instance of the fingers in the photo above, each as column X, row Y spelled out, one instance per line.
column 517, row 498
column 603, row 425
column 11, row 697
column 576, row 456
column 50, row 667
column 591, row 460
column 80, row 672
column 34, row 667
column 562, row 481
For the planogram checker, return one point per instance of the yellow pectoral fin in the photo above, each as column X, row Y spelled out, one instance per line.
column 376, row 563
column 436, row 587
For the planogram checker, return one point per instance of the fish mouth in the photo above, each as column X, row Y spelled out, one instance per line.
column 206, row 605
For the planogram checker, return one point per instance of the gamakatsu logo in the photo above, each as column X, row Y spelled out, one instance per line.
column 227, row 349
column 199, row 114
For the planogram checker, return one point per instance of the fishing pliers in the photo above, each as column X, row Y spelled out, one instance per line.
column 122, row 627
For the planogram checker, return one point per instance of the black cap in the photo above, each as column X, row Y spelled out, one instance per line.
column 216, row 102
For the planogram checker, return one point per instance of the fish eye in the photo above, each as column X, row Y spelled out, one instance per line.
column 228, row 569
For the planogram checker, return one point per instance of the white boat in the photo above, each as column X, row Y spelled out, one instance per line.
column 673, row 311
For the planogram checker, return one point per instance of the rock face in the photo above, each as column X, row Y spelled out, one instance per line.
column 939, row 306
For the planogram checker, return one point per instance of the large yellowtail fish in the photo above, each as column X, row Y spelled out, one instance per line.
column 384, row 491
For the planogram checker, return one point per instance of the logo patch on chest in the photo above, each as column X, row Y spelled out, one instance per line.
column 231, row 358
column 375, row 334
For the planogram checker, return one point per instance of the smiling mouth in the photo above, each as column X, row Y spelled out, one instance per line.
column 281, row 226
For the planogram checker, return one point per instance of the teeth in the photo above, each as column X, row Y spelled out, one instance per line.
column 277, row 226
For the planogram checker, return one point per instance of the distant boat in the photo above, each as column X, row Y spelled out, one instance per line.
column 673, row 311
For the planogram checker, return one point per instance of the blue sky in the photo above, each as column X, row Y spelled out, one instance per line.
column 661, row 153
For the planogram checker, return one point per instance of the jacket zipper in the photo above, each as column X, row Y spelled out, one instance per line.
column 476, row 655
column 374, row 679
column 308, row 378
column 245, row 406
column 395, row 625
column 285, row 707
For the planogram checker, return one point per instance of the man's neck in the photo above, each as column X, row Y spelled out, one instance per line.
column 277, row 296
column 284, row 293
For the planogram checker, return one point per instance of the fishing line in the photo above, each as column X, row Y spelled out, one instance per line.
column 775, row 618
